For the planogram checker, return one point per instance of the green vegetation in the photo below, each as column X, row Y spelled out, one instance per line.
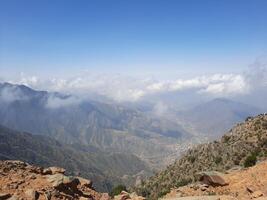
column 218, row 160
column 183, row 182
column 117, row 190
column 250, row 160
column 192, row 159
column 163, row 192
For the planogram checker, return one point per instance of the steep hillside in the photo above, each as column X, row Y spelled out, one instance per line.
column 73, row 120
column 104, row 168
column 215, row 117
column 243, row 145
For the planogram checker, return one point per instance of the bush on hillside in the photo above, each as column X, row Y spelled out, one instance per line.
column 250, row 160
column 117, row 190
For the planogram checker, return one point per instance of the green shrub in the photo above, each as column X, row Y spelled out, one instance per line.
column 117, row 190
column 183, row 182
column 218, row 160
column 163, row 192
column 264, row 125
column 226, row 139
column 192, row 159
column 250, row 160
column 144, row 192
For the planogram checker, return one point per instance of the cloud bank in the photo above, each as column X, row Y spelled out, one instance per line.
column 122, row 88
column 55, row 101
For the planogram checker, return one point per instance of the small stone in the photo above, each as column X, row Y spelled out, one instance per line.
column 32, row 194
column 47, row 171
column 105, row 196
column 48, row 195
column 57, row 170
column 203, row 188
column 250, row 189
column 257, row 194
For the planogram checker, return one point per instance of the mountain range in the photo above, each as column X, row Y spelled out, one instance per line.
column 72, row 120
column 109, row 143
column 215, row 117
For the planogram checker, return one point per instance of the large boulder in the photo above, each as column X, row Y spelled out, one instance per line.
column 212, row 178
column 58, row 180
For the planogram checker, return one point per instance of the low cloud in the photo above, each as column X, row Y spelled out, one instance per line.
column 160, row 108
column 124, row 88
column 10, row 94
column 55, row 101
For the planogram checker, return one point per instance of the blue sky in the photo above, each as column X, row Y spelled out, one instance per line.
column 167, row 37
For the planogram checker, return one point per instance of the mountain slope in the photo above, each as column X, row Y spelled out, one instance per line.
column 215, row 117
column 242, row 145
column 73, row 120
column 104, row 168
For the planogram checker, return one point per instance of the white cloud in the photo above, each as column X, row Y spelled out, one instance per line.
column 160, row 108
column 54, row 101
column 10, row 94
column 226, row 85
column 123, row 88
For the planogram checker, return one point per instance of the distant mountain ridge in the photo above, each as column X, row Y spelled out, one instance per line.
column 158, row 140
column 73, row 120
column 217, row 116
column 106, row 169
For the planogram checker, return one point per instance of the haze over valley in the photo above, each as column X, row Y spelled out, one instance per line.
column 133, row 99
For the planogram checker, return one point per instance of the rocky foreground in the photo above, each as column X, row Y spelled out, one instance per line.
column 19, row 180
column 236, row 184
column 22, row 181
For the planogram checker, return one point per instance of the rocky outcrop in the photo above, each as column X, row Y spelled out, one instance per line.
column 243, row 184
column 54, row 170
column 130, row 196
column 21, row 181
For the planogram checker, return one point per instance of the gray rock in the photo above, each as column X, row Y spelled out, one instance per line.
column 85, row 182
column 212, row 178
column 61, row 181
